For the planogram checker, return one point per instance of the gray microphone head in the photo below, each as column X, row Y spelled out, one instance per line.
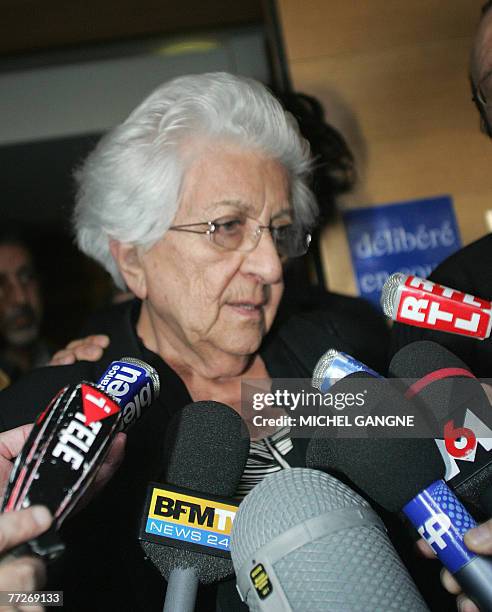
column 302, row 540
column 323, row 367
column 388, row 294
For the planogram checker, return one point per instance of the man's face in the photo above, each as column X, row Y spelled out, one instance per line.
column 20, row 300
column 481, row 64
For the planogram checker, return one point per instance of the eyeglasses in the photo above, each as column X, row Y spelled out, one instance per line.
column 242, row 233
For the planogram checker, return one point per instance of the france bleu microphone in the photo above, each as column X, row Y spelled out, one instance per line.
column 72, row 436
column 407, row 474
column 445, row 385
column 422, row 303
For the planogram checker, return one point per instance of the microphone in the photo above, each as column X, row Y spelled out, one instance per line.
column 70, row 439
column 440, row 380
column 406, row 474
column 186, row 524
column 302, row 540
column 422, row 303
column 334, row 365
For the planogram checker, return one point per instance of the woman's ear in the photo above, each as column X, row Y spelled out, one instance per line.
column 127, row 258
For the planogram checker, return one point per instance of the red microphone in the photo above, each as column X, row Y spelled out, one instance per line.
column 422, row 303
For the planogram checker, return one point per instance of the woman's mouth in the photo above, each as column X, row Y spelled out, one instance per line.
column 248, row 309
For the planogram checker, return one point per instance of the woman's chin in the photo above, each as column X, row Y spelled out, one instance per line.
column 241, row 345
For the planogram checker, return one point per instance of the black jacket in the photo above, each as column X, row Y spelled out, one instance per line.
column 104, row 568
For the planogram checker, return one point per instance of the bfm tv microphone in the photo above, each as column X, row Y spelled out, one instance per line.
column 406, row 474
column 445, row 384
column 70, row 439
column 302, row 540
column 186, row 523
column 422, row 303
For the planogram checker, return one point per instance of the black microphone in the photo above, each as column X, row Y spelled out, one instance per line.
column 406, row 474
column 446, row 386
column 186, row 524
column 69, row 441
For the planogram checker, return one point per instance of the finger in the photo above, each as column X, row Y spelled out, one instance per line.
column 17, row 527
column 89, row 352
column 22, row 574
column 100, row 340
column 424, row 549
column 63, row 357
column 12, row 441
column 466, row 605
column 479, row 539
column 449, row 583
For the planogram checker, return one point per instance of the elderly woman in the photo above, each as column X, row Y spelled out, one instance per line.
column 193, row 204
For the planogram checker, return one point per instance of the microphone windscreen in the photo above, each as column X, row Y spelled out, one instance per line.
column 445, row 385
column 206, row 449
column 343, row 562
column 420, row 358
column 389, row 471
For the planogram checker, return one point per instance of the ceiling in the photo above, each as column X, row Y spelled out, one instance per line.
column 36, row 175
column 31, row 25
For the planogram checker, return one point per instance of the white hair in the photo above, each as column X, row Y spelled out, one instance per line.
column 129, row 186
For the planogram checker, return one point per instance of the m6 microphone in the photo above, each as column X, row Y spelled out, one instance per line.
column 446, row 386
column 186, row 524
column 70, row 440
column 302, row 540
column 406, row 474
column 422, row 303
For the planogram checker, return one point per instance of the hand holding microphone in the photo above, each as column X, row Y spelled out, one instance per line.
column 22, row 573
column 70, row 441
column 478, row 540
column 25, row 573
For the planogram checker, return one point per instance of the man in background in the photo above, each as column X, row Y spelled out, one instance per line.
column 469, row 269
column 21, row 308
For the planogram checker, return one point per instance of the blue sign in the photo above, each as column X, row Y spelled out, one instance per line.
column 166, row 529
column 409, row 237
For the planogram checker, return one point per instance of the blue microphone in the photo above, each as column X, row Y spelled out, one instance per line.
column 334, row 365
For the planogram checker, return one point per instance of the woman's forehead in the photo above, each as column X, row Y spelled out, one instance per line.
column 235, row 180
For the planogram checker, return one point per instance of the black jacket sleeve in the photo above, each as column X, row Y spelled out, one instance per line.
column 26, row 398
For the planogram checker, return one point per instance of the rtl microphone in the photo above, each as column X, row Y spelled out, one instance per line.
column 422, row 303
column 445, row 384
column 70, row 439
column 302, row 540
column 406, row 474
column 186, row 523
